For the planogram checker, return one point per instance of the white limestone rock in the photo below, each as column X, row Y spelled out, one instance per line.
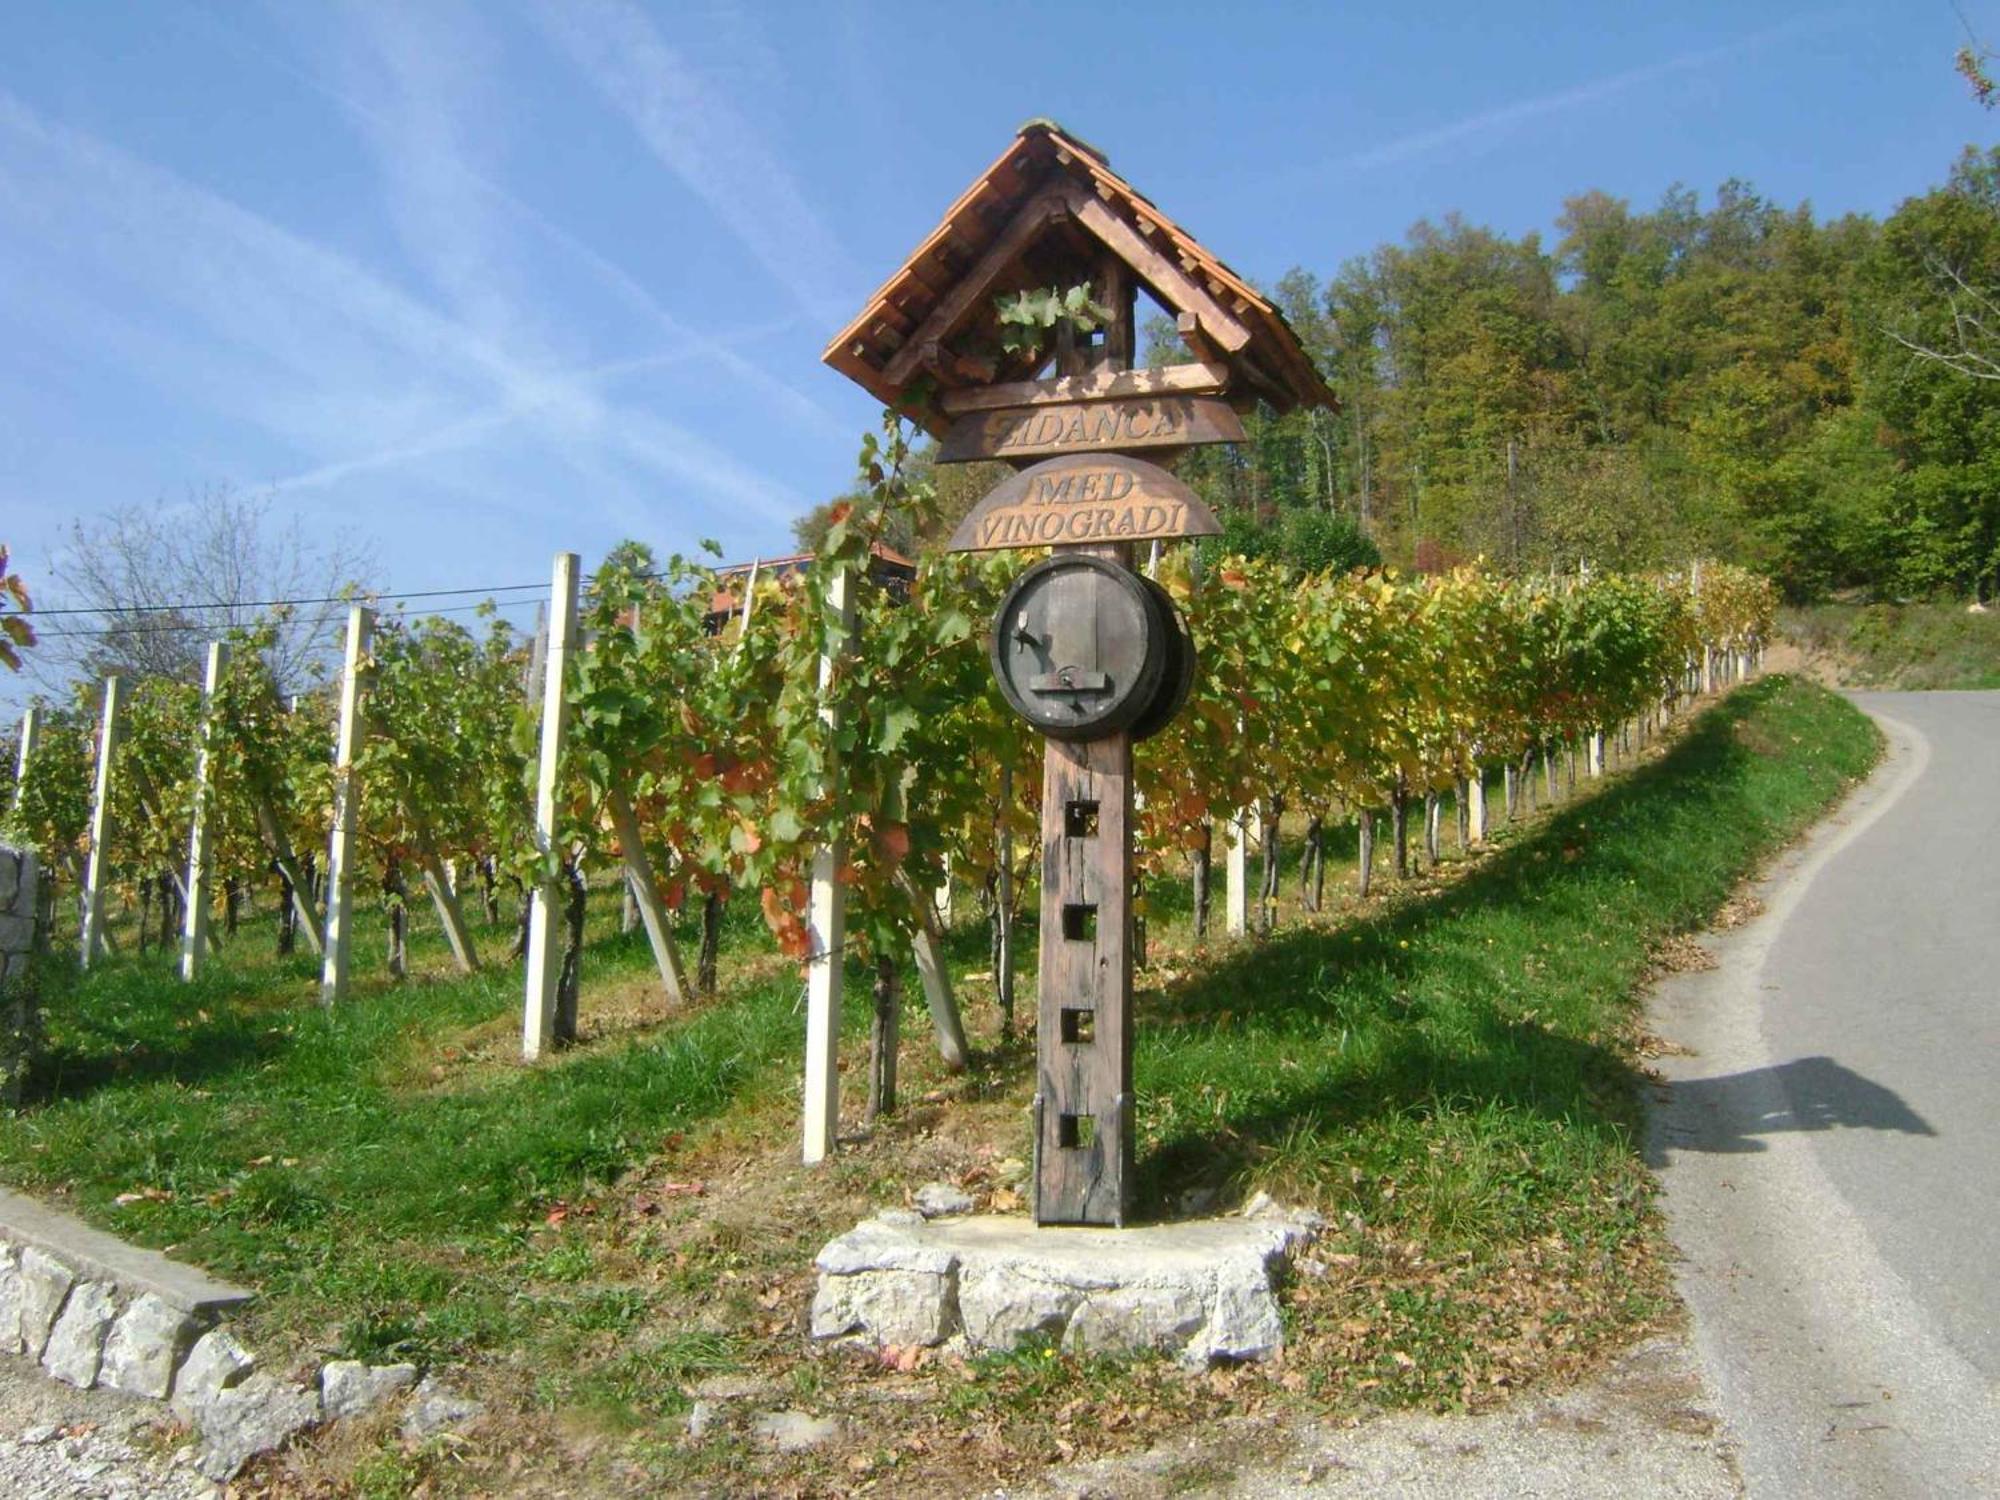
column 347, row 1387
column 217, row 1363
column 10, row 1300
column 75, row 1348
column 434, row 1407
column 45, row 1284
column 941, row 1200
column 794, row 1431
column 894, row 1307
column 1130, row 1318
column 1000, row 1304
column 145, row 1345
column 257, row 1416
column 1245, row 1323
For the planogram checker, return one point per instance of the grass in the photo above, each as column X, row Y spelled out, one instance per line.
column 1908, row 646
column 373, row 1171
column 1450, row 1073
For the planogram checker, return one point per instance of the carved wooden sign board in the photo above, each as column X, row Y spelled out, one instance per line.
column 1090, row 653
column 1133, row 424
column 1085, row 499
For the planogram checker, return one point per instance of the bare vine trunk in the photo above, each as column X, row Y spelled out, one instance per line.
column 711, row 941
column 570, row 976
column 288, row 917
column 397, row 890
column 1267, row 896
column 1204, row 870
column 1312, row 869
column 884, row 1036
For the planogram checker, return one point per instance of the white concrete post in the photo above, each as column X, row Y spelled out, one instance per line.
column 346, row 807
column 99, row 869
column 544, row 948
column 1596, row 746
column 31, row 737
column 201, row 851
column 827, row 924
column 1475, row 804
column 1237, row 895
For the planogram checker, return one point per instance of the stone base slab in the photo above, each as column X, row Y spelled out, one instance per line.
column 1203, row 1290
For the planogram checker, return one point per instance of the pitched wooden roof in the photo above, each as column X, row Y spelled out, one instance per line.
column 1049, row 204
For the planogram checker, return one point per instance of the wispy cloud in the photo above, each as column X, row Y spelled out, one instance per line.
column 207, row 298
column 697, row 132
column 1489, row 123
column 406, row 90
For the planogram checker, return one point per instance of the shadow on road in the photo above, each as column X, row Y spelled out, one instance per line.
column 1729, row 1113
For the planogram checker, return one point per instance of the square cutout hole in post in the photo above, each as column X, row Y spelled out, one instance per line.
column 1079, row 922
column 1079, row 1026
column 1080, row 820
column 1076, row 1132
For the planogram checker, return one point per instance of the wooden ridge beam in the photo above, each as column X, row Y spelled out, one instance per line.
column 1205, row 379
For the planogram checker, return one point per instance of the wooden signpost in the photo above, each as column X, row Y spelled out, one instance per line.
column 1093, row 655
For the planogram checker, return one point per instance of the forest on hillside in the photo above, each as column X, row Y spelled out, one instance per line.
column 1817, row 399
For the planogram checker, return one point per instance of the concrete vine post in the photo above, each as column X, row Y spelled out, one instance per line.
column 99, row 869
column 346, row 807
column 201, row 849
column 827, row 922
column 31, row 734
column 544, row 966
column 1237, row 884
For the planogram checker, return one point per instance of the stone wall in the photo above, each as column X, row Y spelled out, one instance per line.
column 19, row 1022
column 94, row 1311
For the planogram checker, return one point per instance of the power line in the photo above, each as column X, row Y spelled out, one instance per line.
column 169, row 609
column 184, row 626
column 181, row 627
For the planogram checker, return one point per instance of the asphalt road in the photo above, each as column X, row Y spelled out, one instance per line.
column 1830, row 1142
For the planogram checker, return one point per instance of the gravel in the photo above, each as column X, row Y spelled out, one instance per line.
column 62, row 1444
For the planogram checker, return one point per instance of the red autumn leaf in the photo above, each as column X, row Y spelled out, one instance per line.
column 774, row 908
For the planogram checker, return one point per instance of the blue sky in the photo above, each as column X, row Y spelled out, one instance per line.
column 485, row 281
